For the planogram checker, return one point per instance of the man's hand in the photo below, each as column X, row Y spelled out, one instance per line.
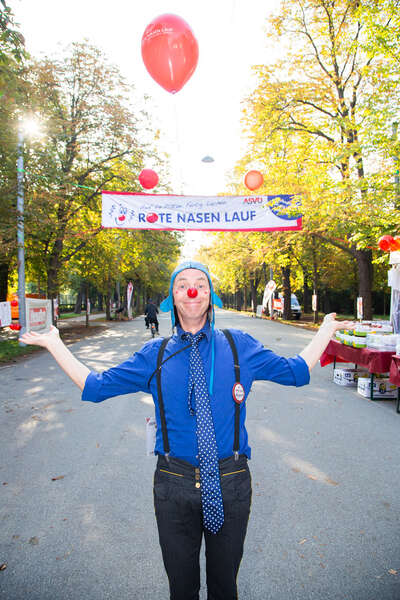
column 312, row 352
column 329, row 321
column 41, row 339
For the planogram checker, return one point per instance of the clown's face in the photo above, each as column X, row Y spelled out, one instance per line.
column 191, row 293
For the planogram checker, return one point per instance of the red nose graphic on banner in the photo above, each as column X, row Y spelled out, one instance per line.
column 192, row 292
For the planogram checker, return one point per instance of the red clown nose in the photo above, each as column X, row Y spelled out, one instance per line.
column 192, row 292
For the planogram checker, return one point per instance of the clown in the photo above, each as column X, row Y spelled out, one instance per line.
column 200, row 379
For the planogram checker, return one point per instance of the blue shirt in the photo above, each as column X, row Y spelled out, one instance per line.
column 256, row 363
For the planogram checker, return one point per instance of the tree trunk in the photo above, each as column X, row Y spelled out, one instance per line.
column 78, row 303
column 365, row 280
column 87, row 305
column 108, row 304
column 4, row 268
column 287, row 293
column 364, row 271
column 245, row 297
column 306, row 295
column 315, row 277
column 253, row 294
column 52, row 283
column 238, row 300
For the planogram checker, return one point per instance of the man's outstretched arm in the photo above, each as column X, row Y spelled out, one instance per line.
column 67, row 361
column 313, row 351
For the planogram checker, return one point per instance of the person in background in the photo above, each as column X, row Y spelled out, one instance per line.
column 151, row 312
column 200, row 379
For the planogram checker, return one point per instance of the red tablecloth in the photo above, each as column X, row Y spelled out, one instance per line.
column 373, row 360
column 394, row 376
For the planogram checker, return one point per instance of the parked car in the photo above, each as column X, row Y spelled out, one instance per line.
column 278, row 302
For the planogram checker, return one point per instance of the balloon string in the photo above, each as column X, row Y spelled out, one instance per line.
column 178, row 144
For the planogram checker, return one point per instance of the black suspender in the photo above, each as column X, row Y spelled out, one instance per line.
column 160, row 398
column 157, row 372
column 236, row 365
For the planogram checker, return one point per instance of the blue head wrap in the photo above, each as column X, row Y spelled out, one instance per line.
column 168, row 304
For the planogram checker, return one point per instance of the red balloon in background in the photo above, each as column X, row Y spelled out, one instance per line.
column 170, row 51
column 396, row 244
column 14, row 303
column 385, row 243
column 15, row 326
column 192, row 292
column 148, row 179
column 253, row 180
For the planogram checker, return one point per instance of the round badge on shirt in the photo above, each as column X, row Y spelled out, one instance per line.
column 238, row 393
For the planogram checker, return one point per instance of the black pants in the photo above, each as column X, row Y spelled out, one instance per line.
column 149, row 320
column 177, row 502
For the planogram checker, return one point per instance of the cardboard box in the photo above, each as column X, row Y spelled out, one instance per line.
column 382, row 387
column 347, row 377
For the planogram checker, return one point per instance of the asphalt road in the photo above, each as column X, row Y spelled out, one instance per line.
column 325, row 513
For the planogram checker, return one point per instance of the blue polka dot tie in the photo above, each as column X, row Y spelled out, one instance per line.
column 211, row 496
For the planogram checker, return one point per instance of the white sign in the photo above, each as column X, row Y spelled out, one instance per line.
column 201, row 213
column 151, row 428
column 55, row 308
column 5, row 314
column 269, row 290
column 314, row 303
column 88, row 306
column 38, row 315
column 360, row 307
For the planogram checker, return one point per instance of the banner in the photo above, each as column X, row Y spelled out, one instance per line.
column 129, row 291
column 269, row 290
column 125, row 210
column 360, row 311
column 314, row 303
column 5, row 314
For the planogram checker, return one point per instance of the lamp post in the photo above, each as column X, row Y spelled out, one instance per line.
column 28, row 126
column 20, row 234
column 395, row 126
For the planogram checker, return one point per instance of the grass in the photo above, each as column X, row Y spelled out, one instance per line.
column 10, row 349
column 71, row 315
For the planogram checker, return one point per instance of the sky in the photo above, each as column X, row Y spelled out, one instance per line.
column 201, row 119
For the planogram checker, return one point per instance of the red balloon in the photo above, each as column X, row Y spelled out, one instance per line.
column 253, row 180
column 396, row 244
column 170, row 51
column 385, row 243
column 148, row 179
column 14, row 303
column 192, row 292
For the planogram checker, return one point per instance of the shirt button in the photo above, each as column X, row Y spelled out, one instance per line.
column 197, row 484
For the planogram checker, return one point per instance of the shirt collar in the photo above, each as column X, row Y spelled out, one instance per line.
column 206, row 330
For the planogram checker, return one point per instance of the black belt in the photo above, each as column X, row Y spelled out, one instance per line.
column 182, row 468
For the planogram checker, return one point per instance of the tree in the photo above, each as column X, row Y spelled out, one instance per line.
column 318, row 99
column 12, row 57
column 144, row 257
column 93, row 141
